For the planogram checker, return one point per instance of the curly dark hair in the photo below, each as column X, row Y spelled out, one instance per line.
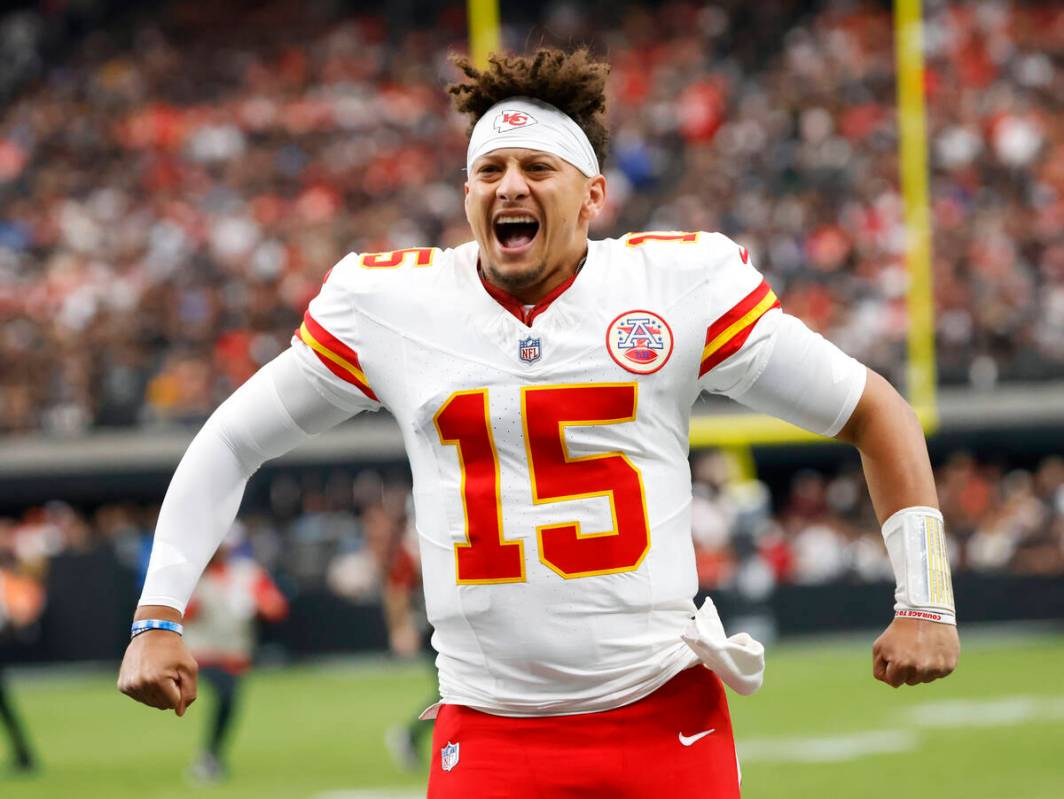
column 572, row 82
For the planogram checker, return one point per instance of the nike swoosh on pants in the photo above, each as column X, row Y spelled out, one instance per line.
column 687, row 740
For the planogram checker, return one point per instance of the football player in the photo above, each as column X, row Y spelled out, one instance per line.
column 543, row 385
column 220, row 626
column 22, row 601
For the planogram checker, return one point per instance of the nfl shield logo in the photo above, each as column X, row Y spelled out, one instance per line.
column 449, row 756
column 528, row 349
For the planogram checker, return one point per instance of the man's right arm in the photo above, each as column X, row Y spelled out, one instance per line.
column 272, row 413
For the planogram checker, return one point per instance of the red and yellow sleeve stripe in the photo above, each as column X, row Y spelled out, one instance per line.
column 337, row 357
column 726, row 336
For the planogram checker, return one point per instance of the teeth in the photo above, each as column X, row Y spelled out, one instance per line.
column 524, row 218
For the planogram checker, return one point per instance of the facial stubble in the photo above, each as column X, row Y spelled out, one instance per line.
column 514, row 283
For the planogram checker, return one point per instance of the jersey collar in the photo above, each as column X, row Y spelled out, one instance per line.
column 526, row 314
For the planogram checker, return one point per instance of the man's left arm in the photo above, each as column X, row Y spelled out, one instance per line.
column 784, row 369
column 888, row 435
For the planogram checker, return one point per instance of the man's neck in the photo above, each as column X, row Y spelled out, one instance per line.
column 536, row 293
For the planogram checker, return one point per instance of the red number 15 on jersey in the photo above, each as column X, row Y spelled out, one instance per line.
column 547, row 411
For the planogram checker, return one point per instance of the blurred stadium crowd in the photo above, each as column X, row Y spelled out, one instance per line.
column 350, row 534
column 174, row 188
column 825, row 529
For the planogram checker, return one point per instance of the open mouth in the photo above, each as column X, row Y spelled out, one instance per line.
column 515, row 232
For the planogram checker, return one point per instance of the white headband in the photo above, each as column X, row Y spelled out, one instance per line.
column 533, row 124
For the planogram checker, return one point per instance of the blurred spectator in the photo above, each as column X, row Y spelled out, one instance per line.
column 174, row 190
column 713, row 515
column 21, row 604
column 220, row 632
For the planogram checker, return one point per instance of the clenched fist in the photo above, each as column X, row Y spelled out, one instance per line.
column 912, row 651
column 158, row 669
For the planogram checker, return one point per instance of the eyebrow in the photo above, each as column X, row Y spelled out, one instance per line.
column 493, row 158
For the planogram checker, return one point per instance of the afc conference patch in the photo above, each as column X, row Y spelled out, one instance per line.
column 529, row 350
column 449, row 756
column 639, row 341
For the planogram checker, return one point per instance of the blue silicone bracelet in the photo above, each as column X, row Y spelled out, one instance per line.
column 144, row 625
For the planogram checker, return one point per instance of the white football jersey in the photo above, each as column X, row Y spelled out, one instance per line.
column 549, row 450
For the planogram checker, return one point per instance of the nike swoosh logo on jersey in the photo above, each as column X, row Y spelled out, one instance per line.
column 687, row 740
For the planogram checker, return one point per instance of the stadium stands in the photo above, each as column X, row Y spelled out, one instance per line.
column 174, row 188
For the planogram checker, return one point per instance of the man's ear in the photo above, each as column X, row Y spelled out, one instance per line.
column 595, row 199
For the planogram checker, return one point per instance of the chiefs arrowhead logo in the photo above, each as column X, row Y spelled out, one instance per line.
column 511, row 120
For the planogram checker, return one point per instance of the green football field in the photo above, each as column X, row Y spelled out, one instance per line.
column 821, row 727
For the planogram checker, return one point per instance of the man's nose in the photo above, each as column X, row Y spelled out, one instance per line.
column 512, row 186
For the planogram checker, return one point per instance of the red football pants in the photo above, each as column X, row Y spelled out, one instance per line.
column 649, row 749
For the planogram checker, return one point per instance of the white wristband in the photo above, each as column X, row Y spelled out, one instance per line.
column 916, row 542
